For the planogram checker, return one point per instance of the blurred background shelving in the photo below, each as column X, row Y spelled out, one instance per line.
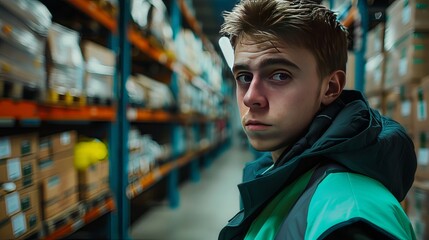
column 106, row 105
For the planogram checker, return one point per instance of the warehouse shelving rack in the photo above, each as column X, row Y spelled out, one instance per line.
column 117, row 119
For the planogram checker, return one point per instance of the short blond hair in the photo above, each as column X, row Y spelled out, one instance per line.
column 302, row 23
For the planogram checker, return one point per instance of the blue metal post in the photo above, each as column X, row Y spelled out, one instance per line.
column 121, row 176
column 195, row 165
column 113, row 149
column 173, row 177
column 360, row 47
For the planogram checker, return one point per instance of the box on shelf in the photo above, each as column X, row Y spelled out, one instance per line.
column 374, row 74
column 58, row 192
column 94, row 180
column 407, row 60
column 375, row 41
column 18, row 145
column 20, row 170
column 421, row 145
column 421, row 96
column 100, row 69
column 65, row 66
column 63, row 141
column 404, row 16
column 9, row 204
column 400, row 105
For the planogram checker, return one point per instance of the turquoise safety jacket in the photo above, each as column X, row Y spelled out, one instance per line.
column 343, row 179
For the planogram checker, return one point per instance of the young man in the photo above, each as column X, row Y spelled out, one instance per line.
column 337, row 169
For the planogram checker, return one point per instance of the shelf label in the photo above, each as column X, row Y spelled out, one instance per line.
column 65, row 138
column 4, row 147
column 423, row 158
column 19, row 225
column 406, row 14
column 421, row 111
column 406, row 108
column 12, row 203
column 13, row 169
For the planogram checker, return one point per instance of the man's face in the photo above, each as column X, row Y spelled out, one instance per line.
column 278, row 92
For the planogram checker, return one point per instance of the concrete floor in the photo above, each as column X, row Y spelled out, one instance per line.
column 205, row 206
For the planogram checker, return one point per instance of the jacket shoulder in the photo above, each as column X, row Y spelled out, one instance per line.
column 343, row 198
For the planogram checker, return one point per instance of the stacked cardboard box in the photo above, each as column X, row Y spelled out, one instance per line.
column 19, row 199
column 375, row 55
column 407, row 42
column 65, row 66
column 94, row 180
column 100, row 68
column 58, row 177
column 421, row 121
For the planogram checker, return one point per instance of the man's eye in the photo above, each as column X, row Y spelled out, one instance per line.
column 244, row 78
column 280, row 76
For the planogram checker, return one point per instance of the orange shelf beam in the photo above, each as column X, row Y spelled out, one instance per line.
column 84, row 113
column 147, row 115
column 90, row 216
column 93, row 11
column 18, row 109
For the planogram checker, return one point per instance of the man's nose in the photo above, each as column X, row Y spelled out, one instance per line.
column 255, row 95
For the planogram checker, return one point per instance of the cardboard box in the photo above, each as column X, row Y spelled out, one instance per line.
column 421, row 95
column 19, row 145
column 49, row 167
column 89, row 182
column 34, row 222
column 104, row 175
column 63, row 141
column 400, row 106
column 55, row 189
column 374, row 74
column 44, row 147
column 22, row 171
column 20, row 225
column 375, row 41
column 14, row 227
column 9, row 204
column 421, row 144
column 29, row 198
column 408, row 60
column 65, row 66
column 404, row 16
column 10, row 170
column 100, row 69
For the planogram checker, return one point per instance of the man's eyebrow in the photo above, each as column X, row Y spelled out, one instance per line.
column 265, row 63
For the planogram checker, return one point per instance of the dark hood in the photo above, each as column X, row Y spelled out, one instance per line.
column 347, row 132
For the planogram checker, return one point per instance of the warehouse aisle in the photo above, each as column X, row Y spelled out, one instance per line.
column 205, row 206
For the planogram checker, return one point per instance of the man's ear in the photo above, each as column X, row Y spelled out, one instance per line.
column 333, row 87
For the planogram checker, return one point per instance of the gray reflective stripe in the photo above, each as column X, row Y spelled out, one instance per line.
column 295, row 224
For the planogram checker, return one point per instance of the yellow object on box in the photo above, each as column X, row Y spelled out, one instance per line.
column 88, row 153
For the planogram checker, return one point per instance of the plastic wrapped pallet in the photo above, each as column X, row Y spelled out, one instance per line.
column 24, row 27
column 99, row 75
column 65, row 66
